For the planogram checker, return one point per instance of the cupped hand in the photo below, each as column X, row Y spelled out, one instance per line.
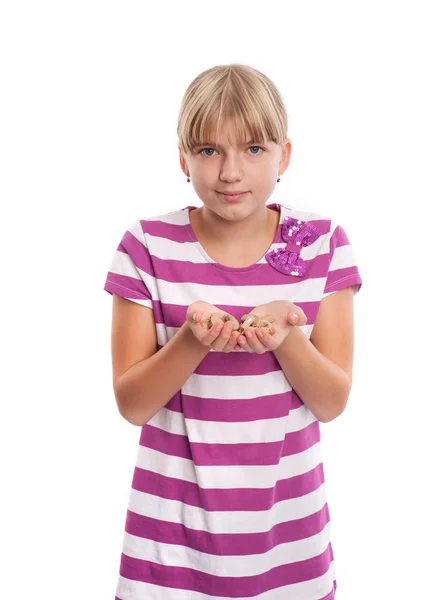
column 257, row 340
column 220, row 337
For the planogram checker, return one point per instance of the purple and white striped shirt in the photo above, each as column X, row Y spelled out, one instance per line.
column 228, row 494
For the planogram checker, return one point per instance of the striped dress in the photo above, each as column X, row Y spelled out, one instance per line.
column 228, row 494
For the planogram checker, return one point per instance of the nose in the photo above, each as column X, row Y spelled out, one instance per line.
column 231, row 169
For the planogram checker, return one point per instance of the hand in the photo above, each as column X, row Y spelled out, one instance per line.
column 257, row 340
column 220, row 336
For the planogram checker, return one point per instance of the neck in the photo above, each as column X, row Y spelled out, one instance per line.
column 234, row 233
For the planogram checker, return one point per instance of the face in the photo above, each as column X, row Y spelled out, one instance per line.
column 231, row 165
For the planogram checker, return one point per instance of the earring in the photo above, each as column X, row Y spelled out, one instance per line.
column 278, row 180
column 188, row 179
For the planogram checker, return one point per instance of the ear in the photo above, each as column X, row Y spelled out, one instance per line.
column 285, row 156
column 183, row 163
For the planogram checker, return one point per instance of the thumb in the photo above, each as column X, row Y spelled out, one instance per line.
column 293, row 318
column 191, row 316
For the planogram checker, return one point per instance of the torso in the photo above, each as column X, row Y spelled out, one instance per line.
column 235, row 449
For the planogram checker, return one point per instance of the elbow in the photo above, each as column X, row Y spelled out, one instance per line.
column 127, row 414
column 126, row 407
column 332, row 414
column 338, row 403
column 131, row 419
column 134, row 417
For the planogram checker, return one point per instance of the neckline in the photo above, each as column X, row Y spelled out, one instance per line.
column 281, row 208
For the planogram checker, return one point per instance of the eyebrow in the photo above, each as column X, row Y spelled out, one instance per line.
column 216, row 145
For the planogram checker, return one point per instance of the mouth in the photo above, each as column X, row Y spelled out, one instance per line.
column 231, row 196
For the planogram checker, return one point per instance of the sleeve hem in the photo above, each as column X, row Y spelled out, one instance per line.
column 110, row 285
column 357, row 280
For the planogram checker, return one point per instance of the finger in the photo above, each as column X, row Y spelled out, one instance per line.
column 223, row 336
column 242, row 342
column 293, row 318
column 197, row 317
column 254, row 341
column 297, row 317
column 266, row 339
column 219, row 343
column 191, row 317
column 212, row 334
column 232, row 342
column 194, row 320
column 245, row 346
column 245, row 342
column 236, row 335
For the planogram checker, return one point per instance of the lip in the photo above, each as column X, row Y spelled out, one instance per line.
column 232, row 195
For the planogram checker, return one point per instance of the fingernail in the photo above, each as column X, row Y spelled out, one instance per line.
column 194, row 316
column 295, row 317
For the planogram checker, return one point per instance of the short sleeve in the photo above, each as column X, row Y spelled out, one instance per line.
column 130, row 272
column 342, row 268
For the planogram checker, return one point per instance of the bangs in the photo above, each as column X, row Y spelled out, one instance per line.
column 243, row 128
column 240, row 99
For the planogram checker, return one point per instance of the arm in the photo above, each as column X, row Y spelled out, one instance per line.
column 148, row 385
column 320, row 369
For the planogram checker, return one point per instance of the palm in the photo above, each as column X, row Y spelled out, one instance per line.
column 205, row 308
column 279, row 309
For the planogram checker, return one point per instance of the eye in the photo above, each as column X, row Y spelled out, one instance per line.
column 254, row 153
column 203, row 150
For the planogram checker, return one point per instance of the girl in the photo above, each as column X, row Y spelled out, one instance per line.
column 228, row 495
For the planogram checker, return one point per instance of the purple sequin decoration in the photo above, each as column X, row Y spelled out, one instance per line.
column 297, row 234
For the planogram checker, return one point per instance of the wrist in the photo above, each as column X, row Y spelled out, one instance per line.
column 294, row 337
column 190, row 341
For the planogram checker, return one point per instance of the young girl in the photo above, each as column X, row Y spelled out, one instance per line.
column 228, row 496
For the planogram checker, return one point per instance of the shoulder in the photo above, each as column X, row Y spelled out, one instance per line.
column 322, row 225
column 324, row 222
column 179, row 215
column 162, row 225
column 332, row 233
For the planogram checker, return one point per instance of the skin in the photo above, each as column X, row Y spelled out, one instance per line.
column 232, row 165
column 256, row 340
column 235, row 166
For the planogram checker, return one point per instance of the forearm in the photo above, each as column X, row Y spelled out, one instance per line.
column 148, row 385
column 321, row 385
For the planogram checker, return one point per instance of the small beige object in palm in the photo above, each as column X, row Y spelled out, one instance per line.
column 252, row 320
column 248, row 320
column 215, row 317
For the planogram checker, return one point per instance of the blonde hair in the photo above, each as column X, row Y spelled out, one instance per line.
column 234, row 91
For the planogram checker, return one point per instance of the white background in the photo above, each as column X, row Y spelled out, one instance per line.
column 90, row 93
